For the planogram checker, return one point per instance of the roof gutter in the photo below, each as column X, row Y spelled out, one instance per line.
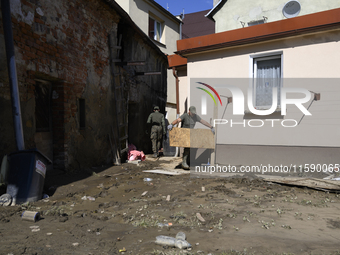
column 269, row 31
column 210, row 14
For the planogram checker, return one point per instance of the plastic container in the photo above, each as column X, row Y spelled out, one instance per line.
column 166, row 241
column 173, row 242
column 26, row 176
column 182, row 244
column 30, row 216
column 181, row 236
column 164, row 225
column 147, row 179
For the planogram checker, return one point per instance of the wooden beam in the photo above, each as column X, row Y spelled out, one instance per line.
column 148, row 73
column 132, row 63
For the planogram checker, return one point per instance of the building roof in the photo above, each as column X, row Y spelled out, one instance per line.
column 196, row 24
column 175, row 60
column 264, row 32
column 216, row 8
column 164, row 11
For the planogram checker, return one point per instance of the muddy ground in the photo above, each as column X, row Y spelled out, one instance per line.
column 243, row 215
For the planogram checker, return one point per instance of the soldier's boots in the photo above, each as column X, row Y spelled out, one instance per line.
column 185, row 165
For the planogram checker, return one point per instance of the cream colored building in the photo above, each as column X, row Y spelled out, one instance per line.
column 164, row 29
column 301, row 52
column 233, row 14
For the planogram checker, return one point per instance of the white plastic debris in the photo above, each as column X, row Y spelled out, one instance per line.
column 172, row 242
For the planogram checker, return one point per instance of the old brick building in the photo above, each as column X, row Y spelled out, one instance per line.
column 81, row 64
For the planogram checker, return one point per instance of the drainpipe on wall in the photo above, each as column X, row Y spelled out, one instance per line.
column 12, row 74
column 177, row 100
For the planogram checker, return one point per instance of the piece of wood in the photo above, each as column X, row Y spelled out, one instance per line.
column 320, row 184
column 192, row 138
column 167, row 172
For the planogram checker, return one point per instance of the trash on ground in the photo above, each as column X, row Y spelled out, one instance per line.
column 122, row 250
column 168, row 198
column 5, row 200
column 169, row 224
column 172, row 242
column 134, row 154
column 147, row 179
column 88, row 198
column 314, row 183
column 136, row 162
column 199, row 216
column 144, row 193
column 181, row 236
column 30, row 216
column 167, row 172
column 203, row 189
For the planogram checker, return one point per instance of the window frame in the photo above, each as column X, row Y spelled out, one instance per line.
column 253, row 73
column 157, row 31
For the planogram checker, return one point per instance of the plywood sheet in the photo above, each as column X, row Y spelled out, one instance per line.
column 192, row 138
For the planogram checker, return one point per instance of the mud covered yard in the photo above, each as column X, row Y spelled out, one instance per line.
column 109, row 212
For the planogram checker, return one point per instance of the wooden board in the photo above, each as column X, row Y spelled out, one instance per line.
column 192, row 138
column 313, row 183
column 168, row 171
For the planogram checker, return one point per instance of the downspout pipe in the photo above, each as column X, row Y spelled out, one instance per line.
column 12, row 74
column 177, row 101
column 177, row 90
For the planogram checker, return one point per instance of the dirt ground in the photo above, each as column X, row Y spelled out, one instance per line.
column 106, row 211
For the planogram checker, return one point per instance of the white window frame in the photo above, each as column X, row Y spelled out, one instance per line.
column 157, row 29
column 253, row 73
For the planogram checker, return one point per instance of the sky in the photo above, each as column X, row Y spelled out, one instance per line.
column 176, row 6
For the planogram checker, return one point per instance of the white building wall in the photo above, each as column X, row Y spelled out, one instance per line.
column 314, row 57
column 237, row 13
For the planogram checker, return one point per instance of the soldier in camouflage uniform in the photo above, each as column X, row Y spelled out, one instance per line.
column 188, row 121
column 157, row 131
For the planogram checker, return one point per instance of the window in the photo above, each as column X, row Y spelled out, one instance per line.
column 155, row 29
column 267, row 74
